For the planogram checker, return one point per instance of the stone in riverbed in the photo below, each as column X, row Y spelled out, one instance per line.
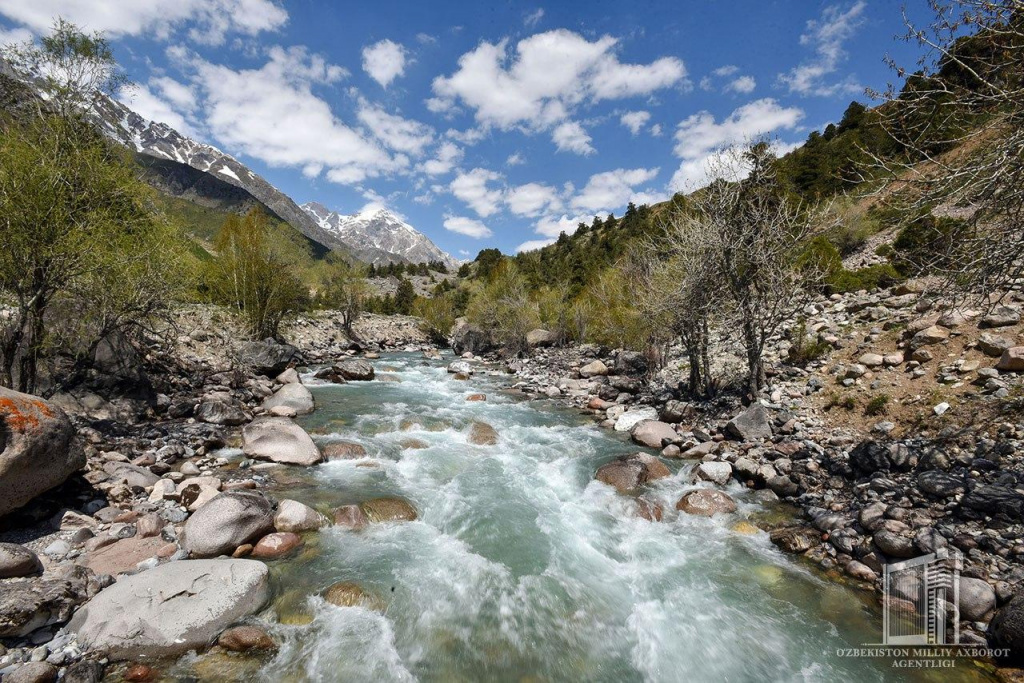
column 220, row 413
column 652, row 433
column 351, row 516
column 482, row 434
column 628, row 472
column 170, row 609
column 355, row 370
column 593, row 369
column 123, row 555
column 32, row 672
column 1006, row 630
column 977, row 598
column 343, row 450
column 132, row 475
column 294, row 396
column 715, row 472
column 226, row 522
column 244, row 638
column 632, row 417
column 388, row 510
column 648, row 509
column 280, row 440
column 706, row 503
column 17, row 560
column 292, row 515
column 268, row 357
column 37, row 448
column 538, row 338
column 348, row 594
column 750, row 425
column 460, row 367
column 275, row 545
column 795, row 539
column 30, row 604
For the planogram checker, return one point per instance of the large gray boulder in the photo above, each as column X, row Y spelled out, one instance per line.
column 355, row 370
column 132, row 475
column 977, row 598
column 227, row 521
column 268, row 357
column 220, row 413
column 294, row 396
column 750, row 425
column 173, row 608
column 538, row 338
column 652, row 433
column 279, row 439
column 466, row 337
column 37, row 448
column 630, row 363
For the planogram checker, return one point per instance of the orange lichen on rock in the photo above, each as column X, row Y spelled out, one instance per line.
column 21, row 416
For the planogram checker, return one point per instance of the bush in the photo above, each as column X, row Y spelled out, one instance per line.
column 806, row 348
column 877, row 406
column 872, row 277
column 926, row 244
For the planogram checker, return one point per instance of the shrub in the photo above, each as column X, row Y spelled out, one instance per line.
column 877, row 405
column 871, row 277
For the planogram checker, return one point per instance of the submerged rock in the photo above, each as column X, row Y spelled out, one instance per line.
column 348, row 594
column 482, row 434
column 355, row 370
column 173, row 608
column 275, row 545
column 295, row 516
column 351, row 516
column 388, row 510
column 629, row 472
column 343, row 450
column 244, row 638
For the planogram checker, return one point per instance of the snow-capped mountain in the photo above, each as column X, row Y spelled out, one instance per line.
column 381, row 230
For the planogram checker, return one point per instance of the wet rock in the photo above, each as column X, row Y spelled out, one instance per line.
column 171, row 609
column 795, row 539
column 355, row 370
column 84, row 671
column 275, row 545
column 220, row 413
column 245, row 638
column 348, row 594
column 977, row 598
column 140, row 672
column 388, row 510
column 280, row 440
column 482, row 434
column 648, row 509
column 268, row 357
column 294, row 396
column 715, row 472
column 593, row 369
column 460, row 367
column 226, row 522
column 783, row 485
column 860, row 571
column 37, row 448
column 343, row 450
column 628, row 472
column 351, row 516
column 17, row 560
column 652, row 433
column 869, row 457
column 706, row 503
column 750, row 425
column 292, row 515
column 476, row 397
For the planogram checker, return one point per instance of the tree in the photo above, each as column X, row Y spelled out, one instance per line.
column 967, row 94
column 405, row 297
column 503, row 307
column 344, row 289
column 248, row 277
column 79, row 233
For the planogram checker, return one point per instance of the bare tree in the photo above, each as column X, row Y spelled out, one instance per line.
column 960, row 119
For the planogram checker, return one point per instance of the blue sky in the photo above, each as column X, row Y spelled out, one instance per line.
column 487, row 124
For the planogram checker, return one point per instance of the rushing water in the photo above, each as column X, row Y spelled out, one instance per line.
column 522, row 568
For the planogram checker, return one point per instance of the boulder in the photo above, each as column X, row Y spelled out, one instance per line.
column 538, row 338
column 593, row 369
column 280, row 440
column 294, row 396
column 1012, row 360
column 630, row 363
column 226, row 522
column 993, row 345
column 38, row 450
column 350, row 516
column 220, row 413
column 289, row 376
column 482, row 434
column 628, row 472
column 1006, row 630
column 343, row 450
column 471, row 339
column 894, row 544
column 292, row 515
column 652, row 433
column 939, row 484
column 123, row 555
column 32, row 672
column 170, row 609
column 30, row 604
column 977, row 598
column 17, row 560
column 131, row 475
column 268, row 357
column 275, row 545
column 1000, row 316
column 633, row 416
column 929, row 336
column 715, row 472
column 388, row 510
column 706, row 503
column 245, row 638
column 355, row 370
column 460, row 367
column 750, row 425
column 348, row 594
column 995, row 500
column 675, row 412
column 795, row 539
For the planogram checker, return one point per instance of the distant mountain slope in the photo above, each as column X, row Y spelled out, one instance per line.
column 381, row 230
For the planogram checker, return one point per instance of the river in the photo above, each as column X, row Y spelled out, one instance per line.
column 522, row 568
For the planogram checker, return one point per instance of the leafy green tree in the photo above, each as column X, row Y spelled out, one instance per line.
column 405, row 297
column 344, row 289
column 503, row 307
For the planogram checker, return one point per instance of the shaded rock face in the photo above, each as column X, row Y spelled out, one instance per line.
column 355, row 370
column 226, row 522
column 630, row 363
column 30, row 604
column 629, row 472
column 268, row 357
column 750, row 425
column 171, row 609
column 219, row 413
column 280, row 440
column 466, row 337
column 37, row 448
column 706, row 503
column 994, row 500
column 294, row 396
column 1006, row 630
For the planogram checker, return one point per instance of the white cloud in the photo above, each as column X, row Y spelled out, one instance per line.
column 554, row 225
column 533, row 245
column 635, row 120
column 612, row 189
column 470, row 136
column 146, row 104
column 14, row 36
column 532, row 199
column 466, row 226
column 571, row 137
column 701, row 133
column 742, row 85
column 425, row 39
column 399, row 134
column 547, row 76
column 384, row 61
column 533, row 18
column 209, row 20
column 656, row 130
column 827, row 36
column 272, row 114
column 447, row 156
column 515, row 159
column 472, row 188
column 181, row 96
column 727, row 70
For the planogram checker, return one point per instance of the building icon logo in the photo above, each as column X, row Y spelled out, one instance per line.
column 921, row 600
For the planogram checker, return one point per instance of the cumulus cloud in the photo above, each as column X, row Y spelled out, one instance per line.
column 271, row 113
column 209, row 21
column 384, row 61
column 533, row 245
column 515, row 159
column 472, row 188
column 14, row 35
column 826, row 36
column 466, row 226
column 571, row 137
column 743, row 85
column 397, row 133
column 144, row 102
column 538, row 84
column 612, row 189
column 447, row 156
column 635, row 120
column 532, row 199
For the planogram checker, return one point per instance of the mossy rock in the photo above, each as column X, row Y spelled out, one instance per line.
column 388, row 510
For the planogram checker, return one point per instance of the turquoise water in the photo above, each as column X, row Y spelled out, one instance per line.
column 522, row 568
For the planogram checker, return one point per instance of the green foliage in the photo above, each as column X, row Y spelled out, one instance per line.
column 342, row 288
column 926, row 244
column 439, row 314
column 878, row 405
column 405, row 297
column 836, row 401
column 502, row 306
column 806, row 348
column 486, row 261
column 869, row 278
column 248, row 275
